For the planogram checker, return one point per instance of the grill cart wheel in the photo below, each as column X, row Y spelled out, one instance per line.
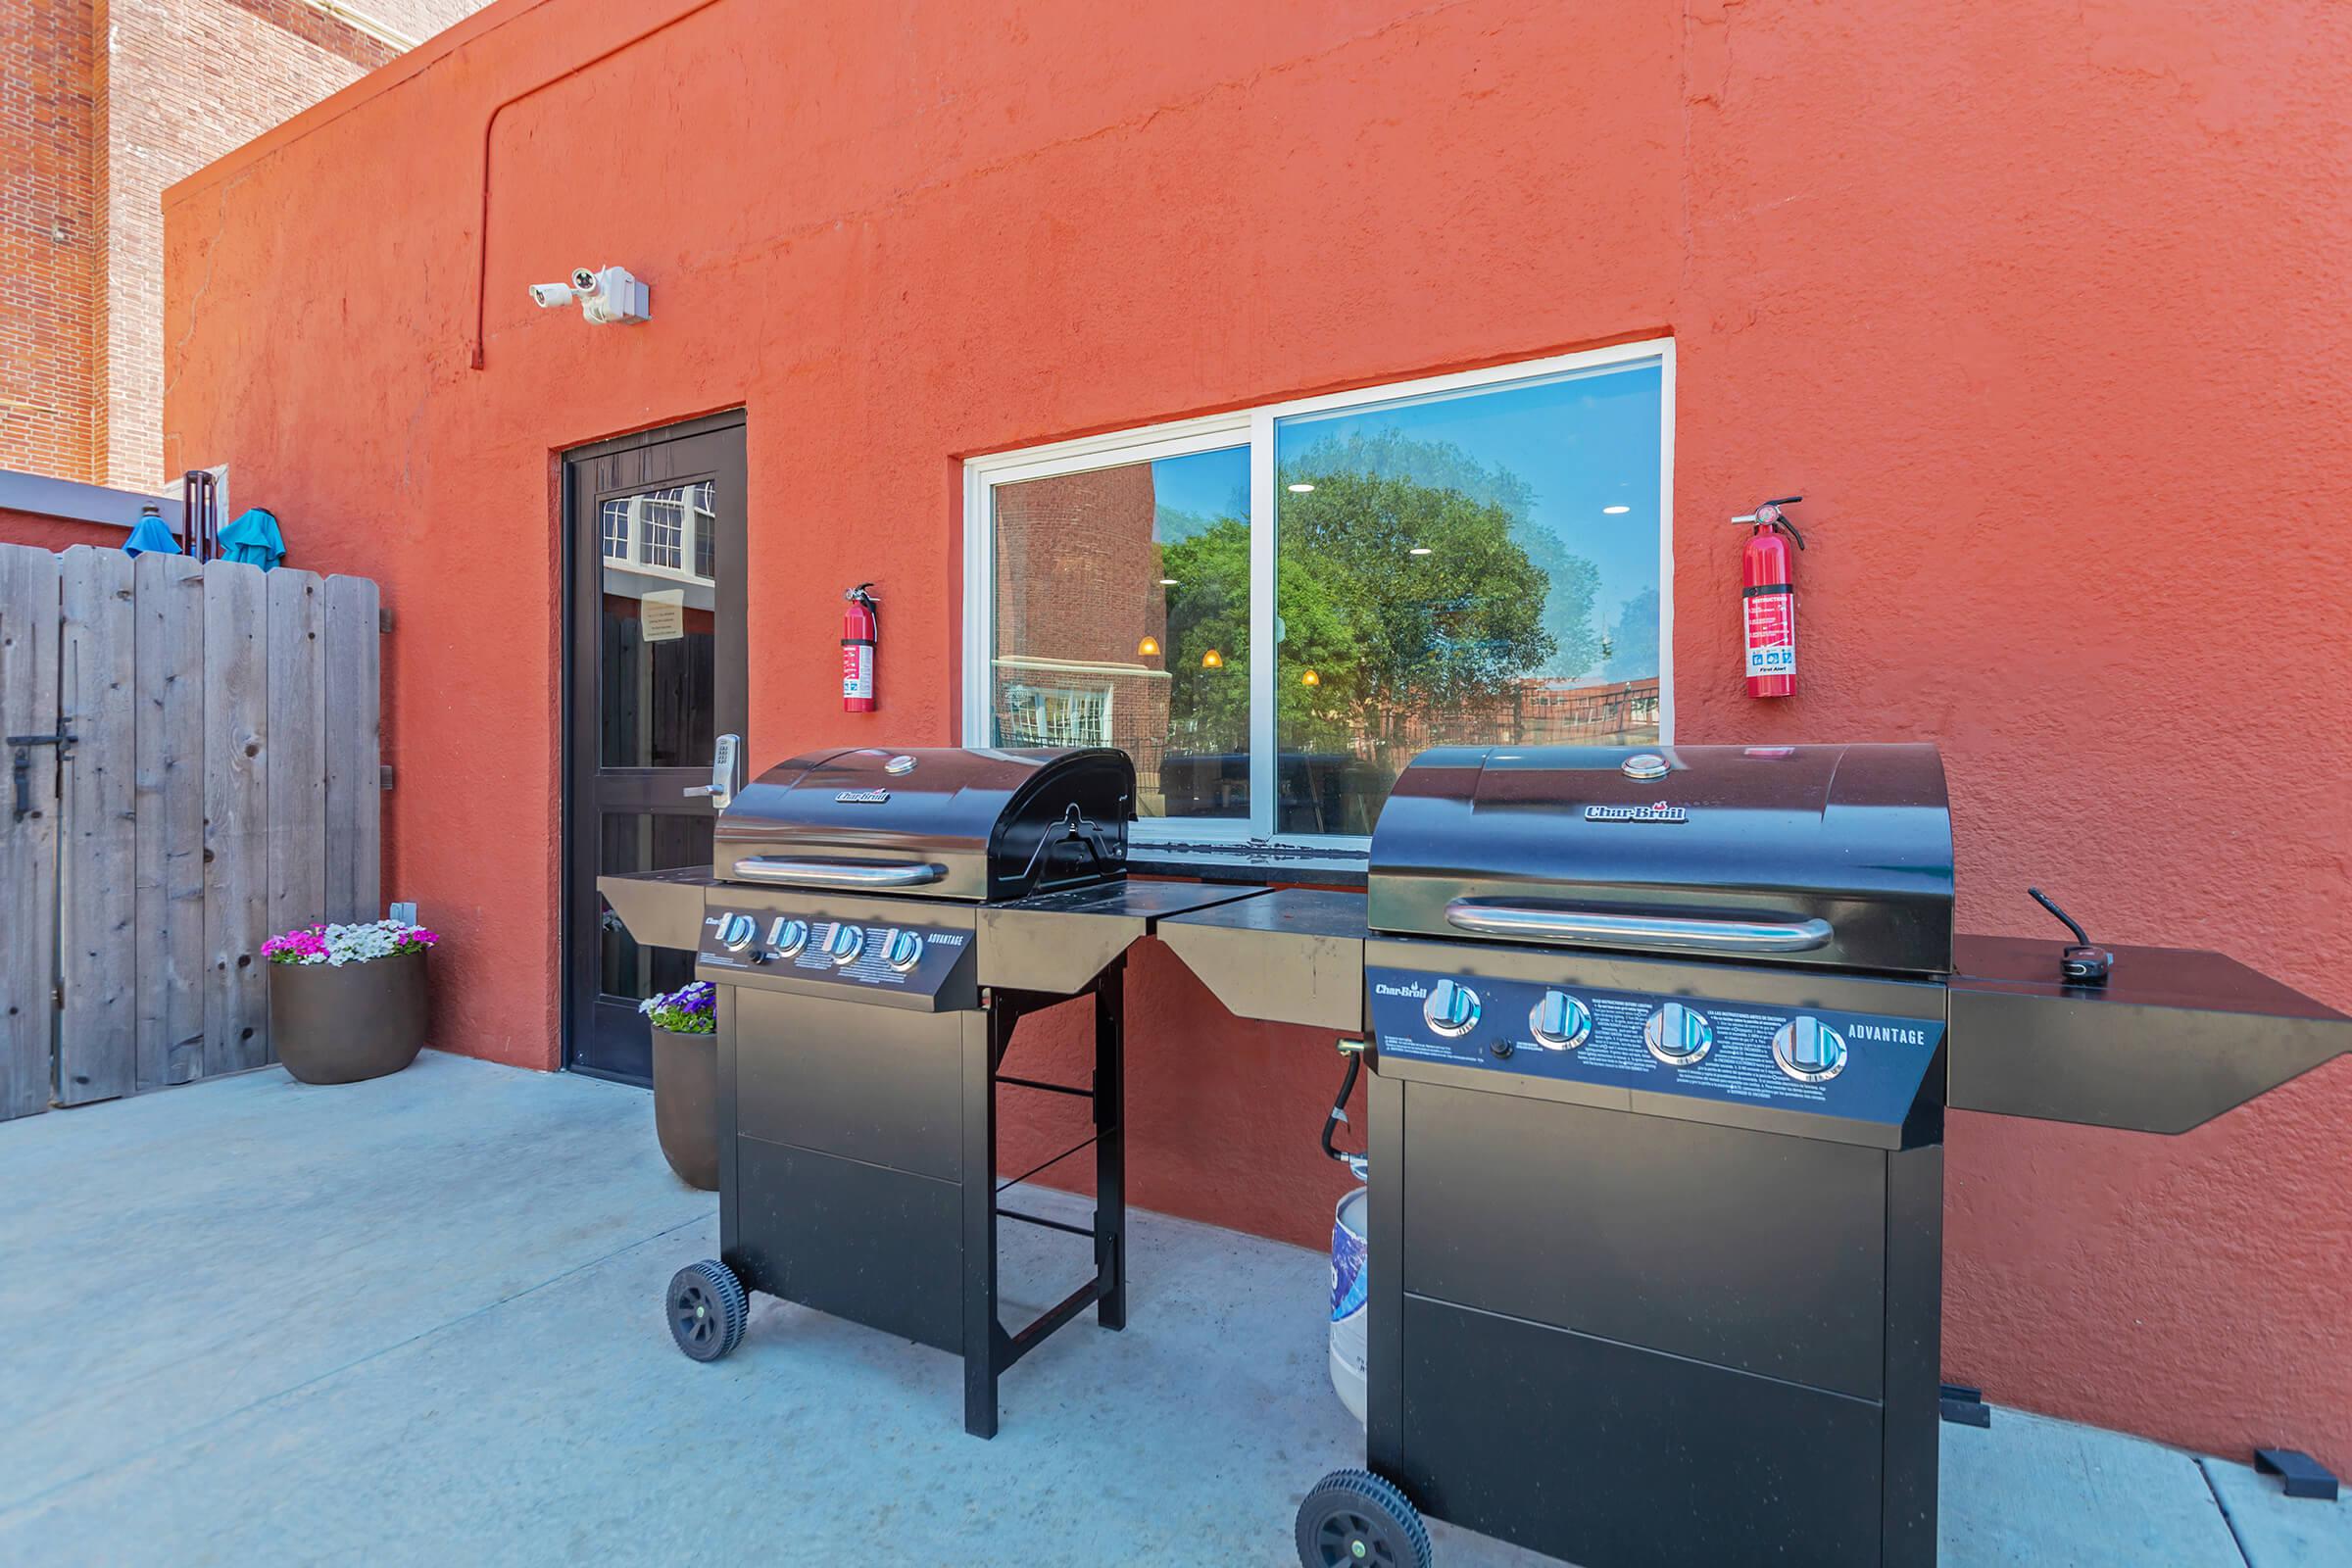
column 1354, row 1517
column 708, row 1310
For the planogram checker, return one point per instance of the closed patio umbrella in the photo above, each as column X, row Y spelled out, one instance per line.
column 254, row 539
column 151, row 532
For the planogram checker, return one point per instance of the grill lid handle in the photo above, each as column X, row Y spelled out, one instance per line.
column 839, row 874
column 1644, row 930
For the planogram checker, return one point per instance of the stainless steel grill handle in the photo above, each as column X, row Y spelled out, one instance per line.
column 1649, row 931
column 839, row 874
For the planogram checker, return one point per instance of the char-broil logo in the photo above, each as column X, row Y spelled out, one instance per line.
column 1659, row 812
column 861, row 797
column 1416, row 992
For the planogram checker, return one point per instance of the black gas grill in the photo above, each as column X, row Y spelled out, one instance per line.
column 1662, row 1044
column 876, row 922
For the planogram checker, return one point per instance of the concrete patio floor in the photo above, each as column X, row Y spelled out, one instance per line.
column 417, row 1321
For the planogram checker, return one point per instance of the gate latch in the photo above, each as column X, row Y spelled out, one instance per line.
column 20, row 765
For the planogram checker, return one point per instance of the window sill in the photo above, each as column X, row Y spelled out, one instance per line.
column 1252, row 865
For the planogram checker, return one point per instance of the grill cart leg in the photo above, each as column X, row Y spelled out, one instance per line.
column 988, row 1350
column 1110, row 1145
column 985, row 1034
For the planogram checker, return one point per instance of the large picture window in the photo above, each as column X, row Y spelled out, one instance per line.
column 1273, row 610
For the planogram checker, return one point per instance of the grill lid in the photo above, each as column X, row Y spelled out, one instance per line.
column 938, row 822
column 1835, row 856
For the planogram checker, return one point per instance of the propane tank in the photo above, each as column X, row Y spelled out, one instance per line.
column 1768, row 598
column 861, row 630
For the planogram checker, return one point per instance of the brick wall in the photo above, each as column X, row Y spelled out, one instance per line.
column 1077, row 583
column 48, row 239
column 103, row 103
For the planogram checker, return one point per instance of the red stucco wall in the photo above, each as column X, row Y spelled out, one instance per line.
column 56, row 533
column 2038, row 303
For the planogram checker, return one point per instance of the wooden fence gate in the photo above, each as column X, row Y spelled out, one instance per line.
column 193, row 764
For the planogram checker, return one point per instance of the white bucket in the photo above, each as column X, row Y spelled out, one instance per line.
column 1350, row 1264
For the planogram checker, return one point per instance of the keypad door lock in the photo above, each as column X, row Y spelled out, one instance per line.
column 725, row 779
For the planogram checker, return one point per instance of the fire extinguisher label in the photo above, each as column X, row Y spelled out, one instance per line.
column 856, row 669
column 1772, row 634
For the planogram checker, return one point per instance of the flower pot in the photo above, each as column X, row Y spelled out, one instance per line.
column 340, row 1023
column 686, row 1105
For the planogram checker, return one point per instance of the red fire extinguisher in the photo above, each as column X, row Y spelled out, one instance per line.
column 1768, row 599
column 860, row 628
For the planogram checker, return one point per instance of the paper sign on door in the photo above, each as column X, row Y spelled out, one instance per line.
column 661, row 614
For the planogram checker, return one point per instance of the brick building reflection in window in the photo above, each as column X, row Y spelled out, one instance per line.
column 1097, row 645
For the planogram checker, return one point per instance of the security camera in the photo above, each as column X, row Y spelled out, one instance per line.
column 611, row 297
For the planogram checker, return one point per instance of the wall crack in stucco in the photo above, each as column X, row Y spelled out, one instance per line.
column 174, row 355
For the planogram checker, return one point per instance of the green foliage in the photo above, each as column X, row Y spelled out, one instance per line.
column 1386, row 632
column 1573, row 582
column 1634, row 639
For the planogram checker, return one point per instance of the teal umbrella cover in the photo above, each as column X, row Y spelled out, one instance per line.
column 254, row 539
column 151, row 532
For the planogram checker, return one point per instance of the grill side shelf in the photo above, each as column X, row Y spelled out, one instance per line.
column 1293, row 956
column 660, row 908
column 2172, row 1040
column 1058, row 942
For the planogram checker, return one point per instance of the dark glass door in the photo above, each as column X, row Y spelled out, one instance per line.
column 653, row 673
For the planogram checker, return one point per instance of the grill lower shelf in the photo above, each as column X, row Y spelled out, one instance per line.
column 865, row 1243
column 1600, row 1452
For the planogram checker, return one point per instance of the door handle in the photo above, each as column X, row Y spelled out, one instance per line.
column 1537, row 922
column 726, row 782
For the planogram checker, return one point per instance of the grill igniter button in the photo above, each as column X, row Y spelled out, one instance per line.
column 1560, row 1021
column 844, row 943
column 1451, row 1009
column 903, row 950
column 735, row 932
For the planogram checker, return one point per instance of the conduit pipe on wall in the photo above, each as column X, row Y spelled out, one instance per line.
column 482, row 242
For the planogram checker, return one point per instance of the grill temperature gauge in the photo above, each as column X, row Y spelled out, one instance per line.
column 1451, row 1009
column 844, row 943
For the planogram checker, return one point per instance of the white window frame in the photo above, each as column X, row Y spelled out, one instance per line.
column 694, row 525
column 1253, row 429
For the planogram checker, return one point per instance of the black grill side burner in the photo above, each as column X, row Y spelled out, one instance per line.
column 876, row 922
column 1661, row 1046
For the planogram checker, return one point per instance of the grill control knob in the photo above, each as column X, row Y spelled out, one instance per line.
column 1678, row 1036
column 844, row 943
column 788, row 936
column 903, row 950
column 1560, row 1021
column 1451, row 1009
column 1809, row 1051
column 735, row 932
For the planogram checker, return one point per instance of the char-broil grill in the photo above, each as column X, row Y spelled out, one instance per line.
column 875, row 922
column 1661, row 1046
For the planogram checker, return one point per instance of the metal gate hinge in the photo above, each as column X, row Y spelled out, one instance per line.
column 383, row 622
column 383, row 775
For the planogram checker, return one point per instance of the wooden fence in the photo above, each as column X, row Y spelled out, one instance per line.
column 221, row 783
